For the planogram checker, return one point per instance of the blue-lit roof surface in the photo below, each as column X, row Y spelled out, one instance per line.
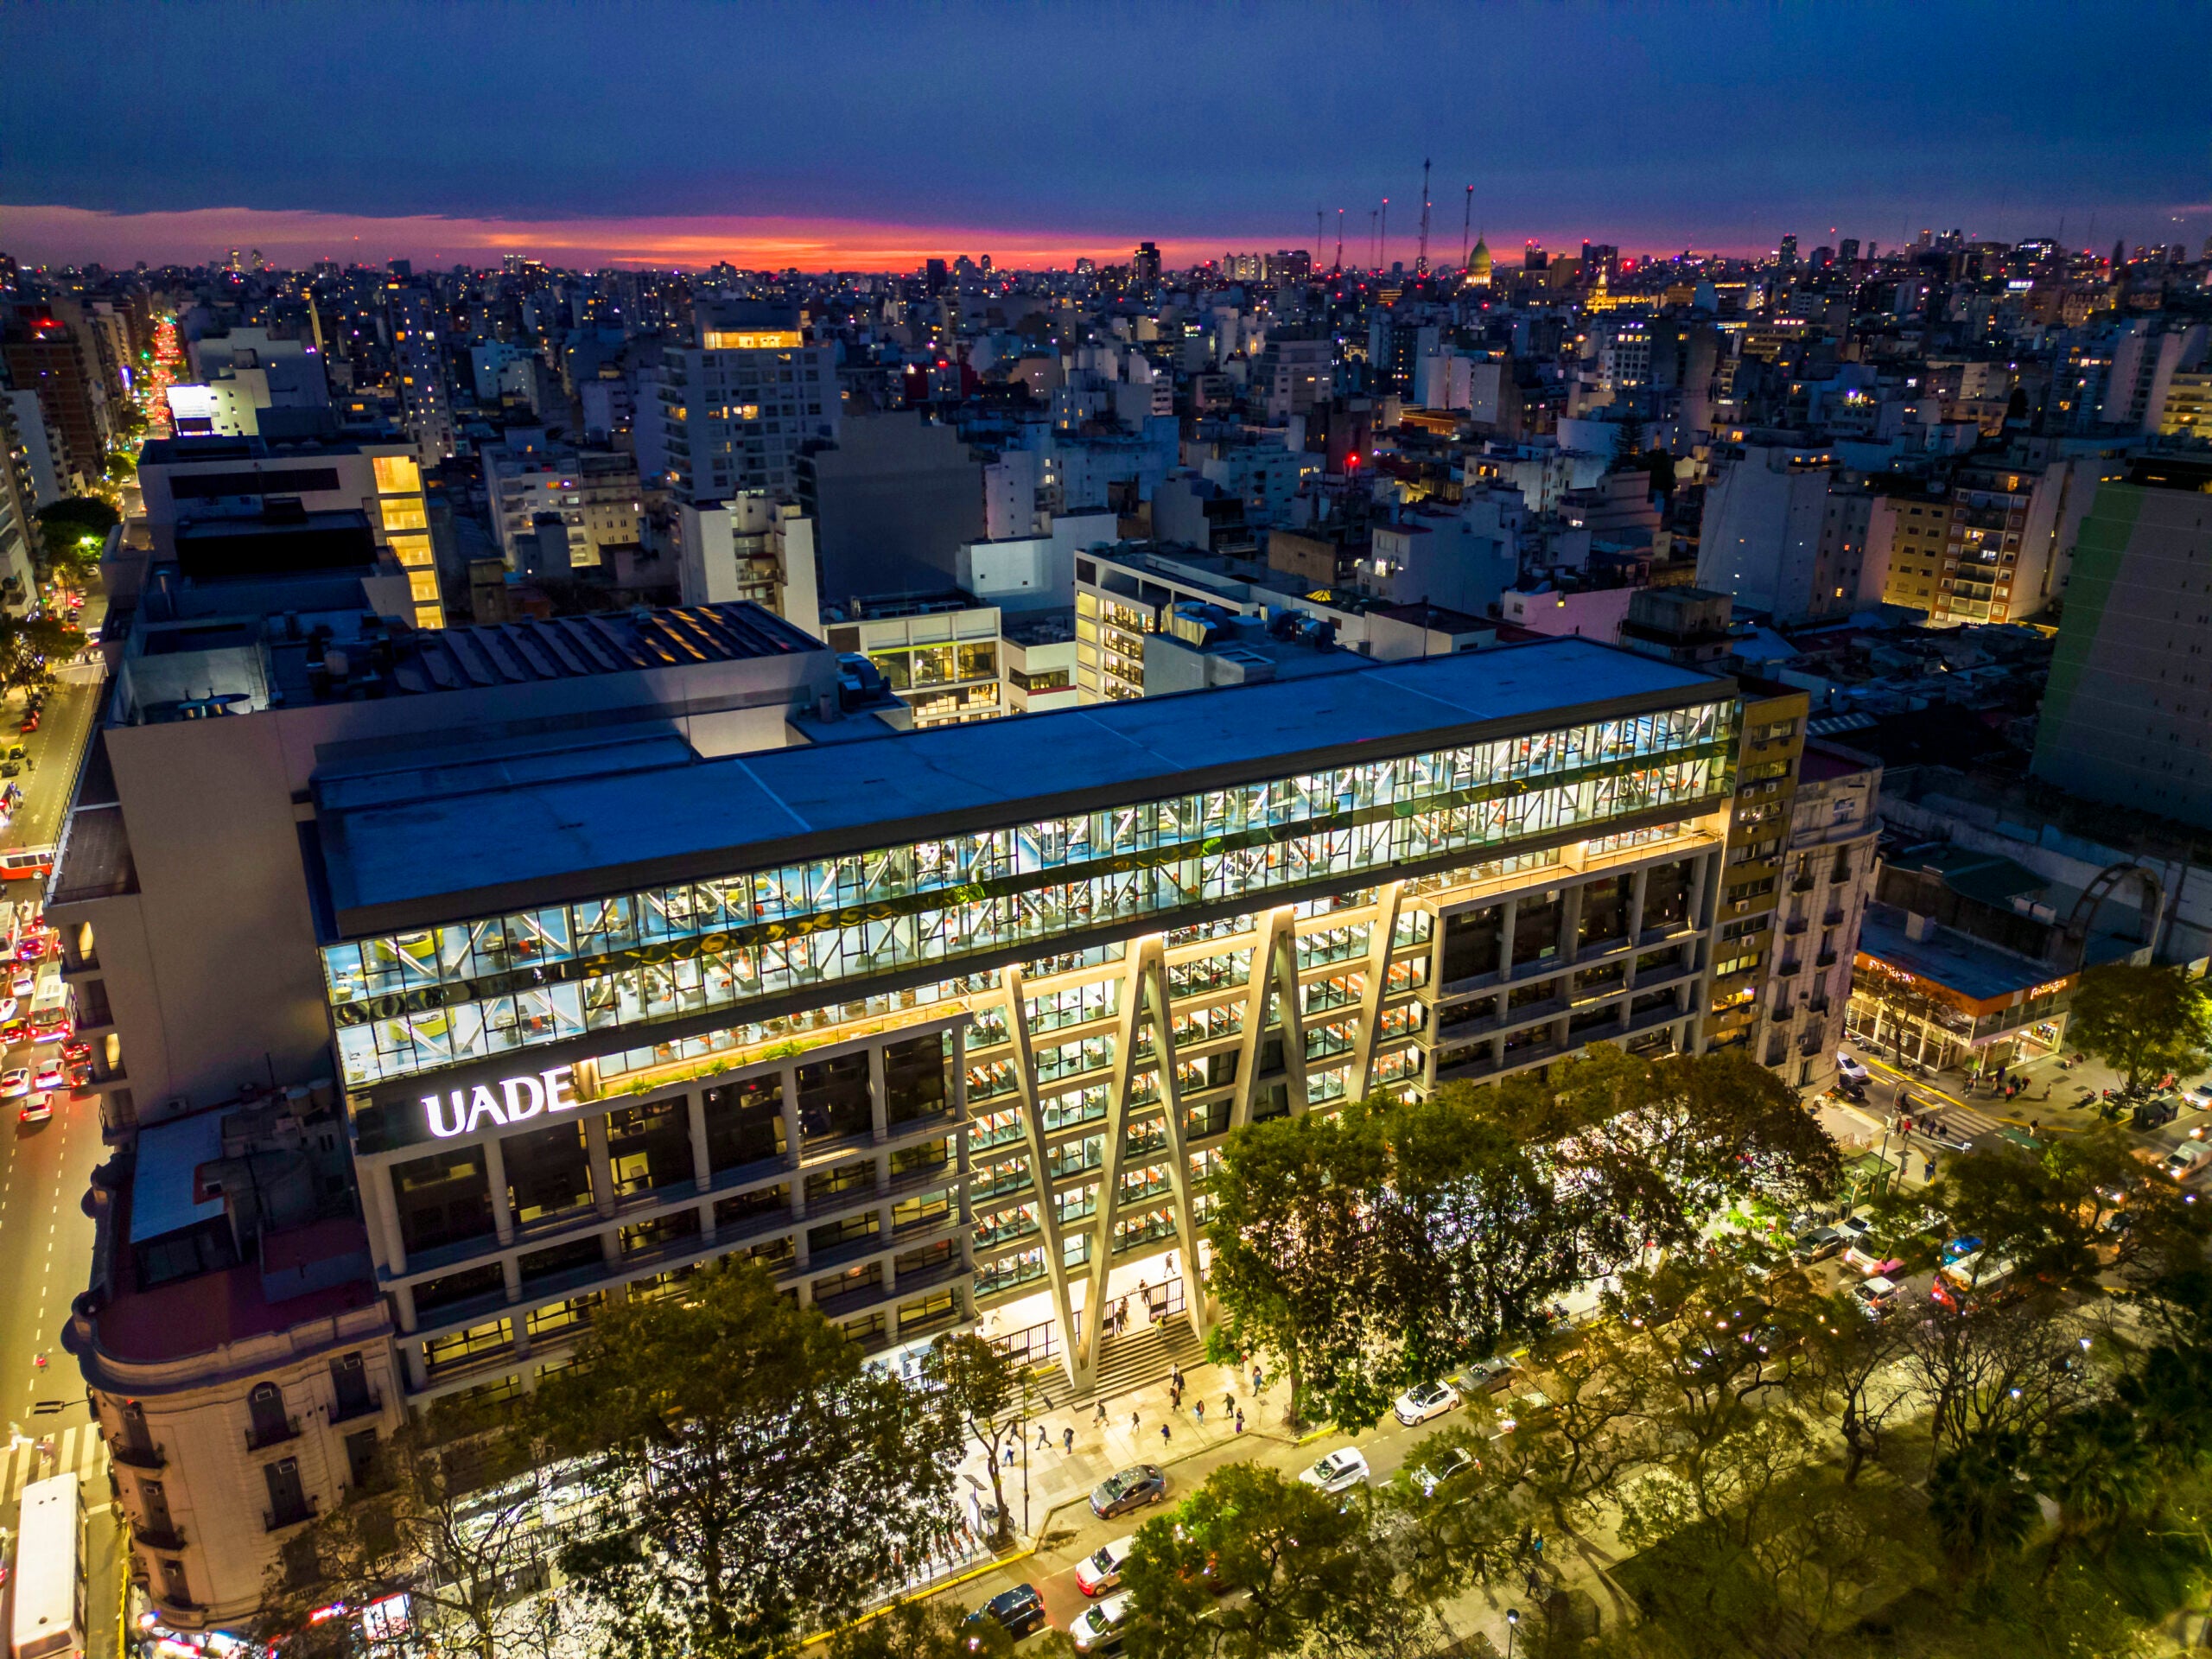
column 503, row 830
column 166, row 1175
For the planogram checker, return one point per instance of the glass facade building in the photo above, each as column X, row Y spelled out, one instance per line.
column 985, row 1077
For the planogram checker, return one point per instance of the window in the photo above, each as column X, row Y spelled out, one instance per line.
column 264, row 1406
column 403, row 514
column 397, row 475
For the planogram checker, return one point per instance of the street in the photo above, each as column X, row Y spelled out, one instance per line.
column 46, row 1240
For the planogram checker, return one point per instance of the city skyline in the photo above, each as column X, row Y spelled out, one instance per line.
column 390, row 130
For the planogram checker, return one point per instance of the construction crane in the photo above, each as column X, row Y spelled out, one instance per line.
column 1466, row 224
column 1382, row 238
column 1340, row 239
column 1420, row 259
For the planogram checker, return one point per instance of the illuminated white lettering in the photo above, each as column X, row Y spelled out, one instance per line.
column 436, row 1108
column 526, row 1097
column 481, row 1105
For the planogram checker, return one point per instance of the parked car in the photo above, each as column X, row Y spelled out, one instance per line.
column 1850, row 1067
column 1101, row 1570
column 1493, row 1375
column 1965, row 1244
column 1098, row 1630
column 1131, row 1488
column 1019, row 1611
column 1339, row 1471
column 1875, row 1295
column 1818, row 1246
column 1424, row 1400
column 1438, row 1470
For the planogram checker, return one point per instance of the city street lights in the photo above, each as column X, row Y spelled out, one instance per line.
column 1512, row 1629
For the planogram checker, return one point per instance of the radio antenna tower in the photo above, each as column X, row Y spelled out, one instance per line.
column 1420, row 260
column 1383, row 237
column 1318, row 213
column 1466, row 224
column 1340, row 239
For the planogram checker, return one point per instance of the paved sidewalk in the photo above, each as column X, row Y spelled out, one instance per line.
column 1130, row 1434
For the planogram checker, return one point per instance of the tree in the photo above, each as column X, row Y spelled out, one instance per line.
column 2142, row 1021
column 1850, row 1358
column 989, row 1393
column 454, row 1519
column 1628, row 441
column 31, row 647
column 753, row 1477
column 1295, row 1264
column 2096, row 1468
column 1995, row 1367
column 73, row 516
column 1243, row 1568
column 1478, row 1237
column 1980, row 1502
column 932, row 1630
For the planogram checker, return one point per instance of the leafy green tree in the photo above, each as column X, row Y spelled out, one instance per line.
column 933, row 1630
column 73, row 516
column 2142, row 1021
column 1295, row 1262
column 2096, row 1468
column 1246, row 1567
column 1849, row 1361
column 1478, row 1238
column 454, row 1519
column 1572, row 1460
column 1628, row 441
column 31, row 649
column 1980, row 1501
column 989, row 1392
column 753, row 1477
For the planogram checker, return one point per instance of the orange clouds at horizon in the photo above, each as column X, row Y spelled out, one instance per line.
column 49, row 234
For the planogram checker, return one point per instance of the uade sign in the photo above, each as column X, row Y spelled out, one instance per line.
column 460, row 1112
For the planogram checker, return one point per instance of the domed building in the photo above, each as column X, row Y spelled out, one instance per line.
column 1478, row 264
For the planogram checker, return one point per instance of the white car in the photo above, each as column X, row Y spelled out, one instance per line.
column 1338, row 1471
column 37, row 1109
column 24, row 982
column 50, row 1075
column 1875, row 1296
column 1424, row 1400
column 1851, row 1069
column 2200, row 1096
column 15, row 1084
column 1856, row 1229
column 1098, row 1629
column 1101, row 1570
column 2181, row 1163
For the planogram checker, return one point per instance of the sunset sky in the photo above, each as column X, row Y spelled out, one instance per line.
column 874, row 136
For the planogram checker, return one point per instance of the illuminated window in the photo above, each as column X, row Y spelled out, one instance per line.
column 423, row 584
column 404, row 514
column 411, row 550
column 397, row 475
column 429, row 616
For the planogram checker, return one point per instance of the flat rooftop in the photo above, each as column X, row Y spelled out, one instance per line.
column 480, row 842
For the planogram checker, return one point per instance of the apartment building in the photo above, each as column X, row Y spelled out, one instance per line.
column 593, row 493
column 1831, row 861
column 733, row 412
column 200, row 480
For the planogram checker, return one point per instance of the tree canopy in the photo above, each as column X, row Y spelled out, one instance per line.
column 2143, row 1021
column 753, row 1477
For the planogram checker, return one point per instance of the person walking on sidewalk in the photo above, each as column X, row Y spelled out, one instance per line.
column 1044, row 1438
column 1228, row 1402
column 1133, row 1422
column 1098, row 1417
column 1240, row 1422
column 1199, row 1411
column 1164, row 1435
column 1174, row 1396
column 1175, row 1378
column 1067, row 1441
column 1259, row 1379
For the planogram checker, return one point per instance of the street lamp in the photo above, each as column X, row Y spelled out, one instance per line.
column 1512, row 1629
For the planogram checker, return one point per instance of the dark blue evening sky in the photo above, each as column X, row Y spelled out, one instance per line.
column 1653, row 126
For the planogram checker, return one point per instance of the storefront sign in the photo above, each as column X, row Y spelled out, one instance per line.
column 515, row 1099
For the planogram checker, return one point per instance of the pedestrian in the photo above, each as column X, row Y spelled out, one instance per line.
column 1133, row 1422
column 1228, row 1402
column 1044, row 1438
column 1259, row 1379
column 1198, row 1410
column 1009, row 1457
column 1098, row 1417
column 1174, row 1396
column 1067, row 1441
column 1240, row 1422
column 1175, row 1378
column 1164, row 1435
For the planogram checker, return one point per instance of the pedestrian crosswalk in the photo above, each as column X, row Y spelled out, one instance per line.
column 34, row 1454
